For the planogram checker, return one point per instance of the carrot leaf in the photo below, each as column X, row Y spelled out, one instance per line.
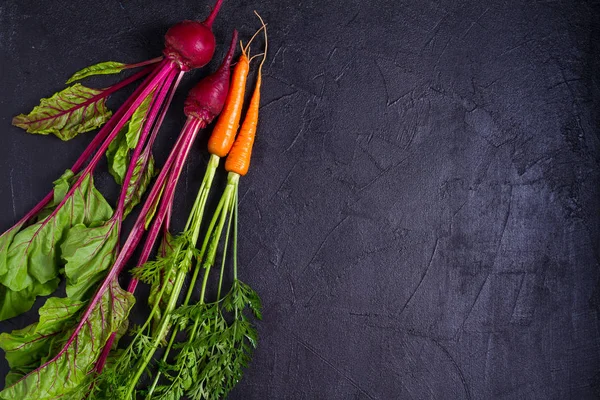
column 74, row 110
column 165, row 249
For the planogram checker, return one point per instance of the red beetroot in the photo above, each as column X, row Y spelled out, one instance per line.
column 191, row 44
column 205, row 101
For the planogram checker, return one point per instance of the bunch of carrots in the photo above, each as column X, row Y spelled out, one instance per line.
column 206, row 338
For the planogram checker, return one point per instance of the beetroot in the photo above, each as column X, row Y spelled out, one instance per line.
column 191, row 44
column 205, row 101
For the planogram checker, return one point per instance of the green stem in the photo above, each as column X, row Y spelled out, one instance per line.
column 235, row 236
column 225, row 245
column 224, row 205
column 211, row 240
column 164, row 325
column 196, row 215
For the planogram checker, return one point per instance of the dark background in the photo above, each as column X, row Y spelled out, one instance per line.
column 421, row 217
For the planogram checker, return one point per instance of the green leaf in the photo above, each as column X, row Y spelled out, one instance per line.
column 242, row 296
column 61, row 188
column 25, row 347
column 117, row 155
column 13, row 303
column 5, row 240
column 140, row 180
column 89, row 252
column 164, row 251
column 32, row 256
column 103, row 68
column 118, row 151
column 153, row 207
column 67, row 373
column 74, row 110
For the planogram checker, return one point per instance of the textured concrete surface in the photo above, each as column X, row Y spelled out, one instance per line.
column 422, row 214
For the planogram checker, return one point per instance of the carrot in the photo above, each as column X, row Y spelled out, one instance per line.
column 238, row 160
column 223, row 134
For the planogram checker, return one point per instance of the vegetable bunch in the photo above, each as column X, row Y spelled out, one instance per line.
column 71, row 352
column 219, row 337
column 53, row 233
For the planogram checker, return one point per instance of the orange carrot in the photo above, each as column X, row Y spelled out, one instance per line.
column 223, row 134
column 238, row 160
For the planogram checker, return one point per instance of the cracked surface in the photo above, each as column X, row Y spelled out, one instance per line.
column 421, row 216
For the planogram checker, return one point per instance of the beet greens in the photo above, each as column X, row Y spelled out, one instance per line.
column 31, row 251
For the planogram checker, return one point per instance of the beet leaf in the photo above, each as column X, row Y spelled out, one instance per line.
column 66, row 372
column 74, row 110
column 13, row 303
column 118, row 152
column 103, row 68
column 89, row 252
column 107, row 68
column 143, row 173
column 25, row 347
column 30, row 258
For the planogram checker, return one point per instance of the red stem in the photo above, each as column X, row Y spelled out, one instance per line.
column 144, row 63
column 160, row 76
column 157, row 103
column 167, row 200
column 213, row 14
column 163, row 112
column 107, row 128
column 98, row 139
column 132, row 241
column 177, row 157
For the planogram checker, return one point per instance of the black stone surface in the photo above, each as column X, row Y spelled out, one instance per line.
column 422, row 213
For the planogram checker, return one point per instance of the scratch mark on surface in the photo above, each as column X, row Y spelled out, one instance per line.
column 458, row 369
column 291, row 85
column 287, row 176
column 437, row 62
column 344, row 69
column 423, row 275
column 275, row 57
column 307, row 304
column 331, row 365
column 285, row 96
column 331, row 53
column 324, row 241
column 289, row 279
column 243, row 197
column 12, row 193
column 476, row 22
column 301, row 129
column 382, row 173
column 515, row 47
column 434, row 31
column 352, row 19
column 385, row 86
column 462, row 326
column 512, row 313
column 391, row 103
